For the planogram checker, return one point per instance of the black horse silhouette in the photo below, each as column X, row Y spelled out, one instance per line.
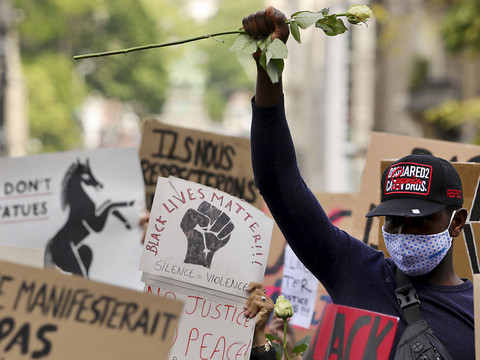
column 66, row 249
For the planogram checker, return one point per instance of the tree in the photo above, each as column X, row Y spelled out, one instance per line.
column 52, row 31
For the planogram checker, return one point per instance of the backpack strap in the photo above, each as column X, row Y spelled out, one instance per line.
column 407, row 297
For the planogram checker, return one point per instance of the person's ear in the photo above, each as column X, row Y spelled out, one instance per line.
column 458, row 222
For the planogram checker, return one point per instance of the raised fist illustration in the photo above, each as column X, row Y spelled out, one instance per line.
column 208, row 229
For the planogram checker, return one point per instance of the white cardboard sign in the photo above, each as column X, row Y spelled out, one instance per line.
column 206, row 237
column 299, row 286
column 82, row 207
column 211, row 327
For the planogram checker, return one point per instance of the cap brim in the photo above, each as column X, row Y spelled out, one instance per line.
column 406, row 207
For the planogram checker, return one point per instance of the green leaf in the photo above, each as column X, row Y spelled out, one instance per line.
column 275, row 69
column 263, row 60
column 243, row 44
column 306, row 18
column 300, row 349
column 295, row 30
column 325, row 11
column 271, row 337
column 262, row 43
column 279, row 49
column 302, row 345
column 331, row 25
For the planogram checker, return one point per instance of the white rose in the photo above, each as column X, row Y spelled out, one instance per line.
column 358, row 13
column 283, row 308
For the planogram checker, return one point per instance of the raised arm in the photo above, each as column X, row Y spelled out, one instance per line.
column 308, row 230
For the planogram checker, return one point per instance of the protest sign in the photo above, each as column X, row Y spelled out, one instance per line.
column 339, row 208
column 389, row 147
column 203, row 236
column 48, row 315
column 465, row 257
column 299, row 286
column 81, row 207
column 205, row 246
column 218, row 161
column 211, row 327
column 355, row 334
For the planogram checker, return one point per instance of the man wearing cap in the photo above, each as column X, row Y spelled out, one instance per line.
column 421, row 202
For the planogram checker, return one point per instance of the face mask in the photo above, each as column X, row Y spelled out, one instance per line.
column 418, row 254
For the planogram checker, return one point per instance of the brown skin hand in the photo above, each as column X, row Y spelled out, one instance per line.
column 258, row 25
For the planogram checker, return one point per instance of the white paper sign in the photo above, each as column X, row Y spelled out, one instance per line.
column 82, row 207
column 211, row 327
column 206, row 237
column 299, row 286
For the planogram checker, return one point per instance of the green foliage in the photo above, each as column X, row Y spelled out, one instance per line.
column 419, row 72
column 453, row 113
column 461, row 26
column 225, row 72
column 59, row 29
column 51, row 83
column 331, row 25
column 302, row 345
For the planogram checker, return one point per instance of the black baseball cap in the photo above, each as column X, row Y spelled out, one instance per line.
column 418, row 185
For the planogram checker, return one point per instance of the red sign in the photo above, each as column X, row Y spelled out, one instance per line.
column 348, row 333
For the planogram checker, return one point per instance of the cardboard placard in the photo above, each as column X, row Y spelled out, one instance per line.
column 75, row 206
column 351, row 333
column 205, row 246
column 205, row 237
column 211, row 327
column 47, row 315
column 465, row 257
column 218, row 161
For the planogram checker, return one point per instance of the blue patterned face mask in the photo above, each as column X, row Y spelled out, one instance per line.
column 418, row 254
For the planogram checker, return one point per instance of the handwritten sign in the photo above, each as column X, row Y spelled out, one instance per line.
column 212, row 327
column 74, row 206
column 218, row 161
column 47, row 315
column 203, row 236
column 299, row 286
column 205, row 246
column 351, row 333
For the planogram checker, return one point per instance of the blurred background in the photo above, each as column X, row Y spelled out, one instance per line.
column 414, row 70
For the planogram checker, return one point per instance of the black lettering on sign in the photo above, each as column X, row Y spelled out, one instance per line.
column 468, row 234
column 344, row 350
column 241, row 187
column 200, row 152
column 19, row 339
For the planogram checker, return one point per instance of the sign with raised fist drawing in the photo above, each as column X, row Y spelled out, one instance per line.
column 207, row 229
column 205, row 237
column 204, row 246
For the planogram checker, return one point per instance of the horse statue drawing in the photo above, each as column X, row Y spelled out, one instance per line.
column 66, row 249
